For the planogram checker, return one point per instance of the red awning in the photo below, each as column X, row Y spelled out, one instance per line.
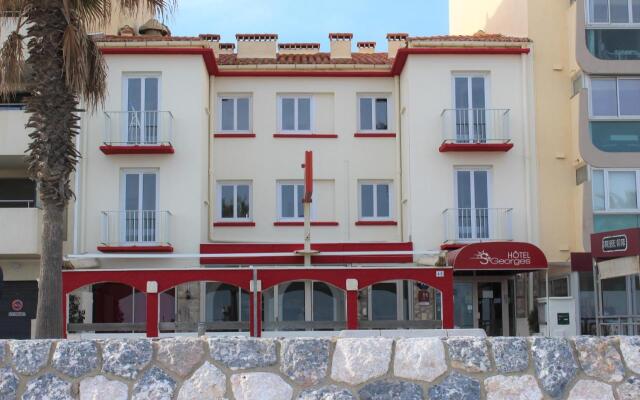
column 498, row 256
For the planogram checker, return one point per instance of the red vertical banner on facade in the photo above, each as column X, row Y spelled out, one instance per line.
column 308, row 176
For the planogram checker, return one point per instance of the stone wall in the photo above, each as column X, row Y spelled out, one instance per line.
column 327, row 369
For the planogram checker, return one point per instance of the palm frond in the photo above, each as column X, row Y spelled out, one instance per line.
column 12, row 64
column 160, row 8
column 85, row 69
column 90, row 12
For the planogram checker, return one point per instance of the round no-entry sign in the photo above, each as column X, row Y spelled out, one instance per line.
column 17, row 305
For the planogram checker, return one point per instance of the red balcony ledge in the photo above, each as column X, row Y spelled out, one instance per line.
column 113, row 149
column 374, row 135
column 300, row 223
column 297, row 135
column 475, row 147
column 136, row 249
column 376, row 223
column 234, row 135
column 234, row 224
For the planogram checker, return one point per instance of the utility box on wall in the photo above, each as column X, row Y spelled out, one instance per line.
column 561, row 318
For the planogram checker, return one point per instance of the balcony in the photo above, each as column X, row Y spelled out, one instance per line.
column 614, row 44
column 23, row 218
column 13, row 134
column 616, row 135
column 468, row 225
column 138, row 132
column 475, row 130
column 135, row 231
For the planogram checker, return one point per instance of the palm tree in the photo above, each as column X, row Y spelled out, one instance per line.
column 63, row 67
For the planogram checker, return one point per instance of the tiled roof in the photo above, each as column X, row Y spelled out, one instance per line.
column 478, row 37
column 318, row 58
column 145, row 38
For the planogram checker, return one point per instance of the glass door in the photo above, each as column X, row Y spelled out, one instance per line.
column 470, row 105
column 138, row 219
column 490, row 312
column 142, row 110
column 472, row 192
column 463, row 304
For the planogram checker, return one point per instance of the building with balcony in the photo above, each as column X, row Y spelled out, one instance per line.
column 587, row 89
column 191, row 193
column 20, row 215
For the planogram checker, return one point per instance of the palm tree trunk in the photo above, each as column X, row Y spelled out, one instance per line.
column 49, row 314
column 52, row 154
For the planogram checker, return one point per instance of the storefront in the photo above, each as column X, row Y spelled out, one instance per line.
column 250, row 289
column 490, row 290
column 617, row 281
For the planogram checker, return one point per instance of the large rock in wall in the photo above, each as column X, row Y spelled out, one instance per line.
column 372, row 368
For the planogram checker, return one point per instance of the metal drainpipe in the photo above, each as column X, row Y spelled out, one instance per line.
column 398, row 113
column 210, row 199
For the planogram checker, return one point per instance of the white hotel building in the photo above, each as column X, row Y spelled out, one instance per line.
column 197, row 153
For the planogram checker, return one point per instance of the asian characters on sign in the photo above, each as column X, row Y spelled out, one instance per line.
column 615, row 243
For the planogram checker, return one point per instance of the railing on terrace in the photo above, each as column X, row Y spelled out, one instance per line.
column 135, row 227
column 475, row 126
column 613, row 325
column 138, row 128
column 18, row 204
column 477, row 224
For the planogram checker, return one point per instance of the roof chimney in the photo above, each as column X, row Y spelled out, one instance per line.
column 340, row 45
column 396, row 41
column 366, row 47
column 212, row 39
column 299, row 48
column 257, row 45
column 226, row 48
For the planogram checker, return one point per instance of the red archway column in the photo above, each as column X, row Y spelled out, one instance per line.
column 447, row 300
column 152, row 315
column 352, row 309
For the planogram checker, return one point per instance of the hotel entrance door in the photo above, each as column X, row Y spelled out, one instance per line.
column 482, row 303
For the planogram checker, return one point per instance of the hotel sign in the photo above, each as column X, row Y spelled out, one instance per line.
column 513, row 256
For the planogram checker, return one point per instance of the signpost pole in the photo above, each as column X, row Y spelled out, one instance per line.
column 308, row 193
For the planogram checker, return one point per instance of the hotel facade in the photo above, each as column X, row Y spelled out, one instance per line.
column 189, row 210
column 587, row 84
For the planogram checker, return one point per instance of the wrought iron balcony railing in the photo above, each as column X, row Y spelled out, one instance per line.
column 477, row 224
column 135, row 228
column 138, row 128
column 475, row 126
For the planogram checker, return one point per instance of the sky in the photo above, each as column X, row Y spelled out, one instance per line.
column 310, row 20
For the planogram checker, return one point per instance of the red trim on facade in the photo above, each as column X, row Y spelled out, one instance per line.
column 374, row 135
column 234, row 135
column 135, row 249
column 305, row 74
column 115, row 150
column 376, row 223
column 233, row 224
column 402, row 54
column 207, row 54
column 293, row 259
column 299, row 223
column 451, row 246
column 475, row 147
column 305, row 136
column 396, row 68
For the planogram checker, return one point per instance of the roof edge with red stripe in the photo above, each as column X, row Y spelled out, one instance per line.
column 396, row 68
